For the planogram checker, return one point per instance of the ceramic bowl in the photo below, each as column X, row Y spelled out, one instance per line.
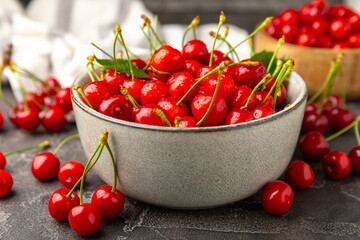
column 313, row 64
column 194, row 168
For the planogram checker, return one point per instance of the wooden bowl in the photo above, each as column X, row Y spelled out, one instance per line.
column 313, row 64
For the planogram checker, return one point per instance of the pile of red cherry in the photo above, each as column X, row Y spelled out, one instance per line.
column 317, row 24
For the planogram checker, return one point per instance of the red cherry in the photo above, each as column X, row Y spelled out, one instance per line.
column 311, row 11
column 226, row 87
column 117, row 107
column 319, row 26
column 249, row 75
column 310, row 108
column 171, row 109
column 324, row 41
column 354, row 20
column 1, row 120
column 192, row 66
column 354, row 40
column 331, row 102
column 315, row 122
column 217, row 113
column 218, row 57
column 138, row 63
column 340, row 45
column 45, row 166
column 109, row 203
column 134, row 88
column 153, row 91
column 261, row 112
column 54, row 119
column 289, row 16
column 52, row 87
column 59, row 205
column 259, row 99
column 27, row 120
column 98, row 91
column 63, row 99
column 145, row 115
column 179, row 83
column 307, row 39
column 300, row 175
column 32, row 99
column 70, row 173
column 314, row 145
column 340, row 118
column 206, row 69
column 240, row 96
column 238, row 115
column 339, row 28
column 197, row 50
column 277, row 197
column 167, row 59
column 273, row 28
column 187, row 122
column 289, row 32
column 6, row 183
column 336, row 165
column 2, row 161
column 338, row 11
column 85, row 219
column 355, row 159
column 13, row 110
column 305, row 29
column 115, row 81
column 280, row 98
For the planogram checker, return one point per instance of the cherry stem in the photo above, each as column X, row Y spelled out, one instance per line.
column 356, row 129
column 251, row 46
column 127, row 95
column 78, row 88
column 278, row 84
column 114, row 166
column 91, row 62
column 265, row 78
column 2, row 97
column 43, row 145
column 118, row 31
column 107, row 54
column 42, row 107
column 262, row 25
column 343, row 92
column 160, row 113
column 222, row 19
column 192, row 25
column 149, row 40
column 279, row 44
column 212, row 100
column 156, row 19
column 177, row 121
column 279, row 64
column 355, row 122
column 223, row 39
column 22, row 89
column 57, row 149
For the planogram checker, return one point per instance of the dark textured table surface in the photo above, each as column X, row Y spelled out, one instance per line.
column 328, row 210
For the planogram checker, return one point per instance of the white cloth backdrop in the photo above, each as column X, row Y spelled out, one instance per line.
column 52, row 37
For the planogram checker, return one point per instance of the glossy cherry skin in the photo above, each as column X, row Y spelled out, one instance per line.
column 187, row 122
column 167, row 59
column 70, row 173
column 153, row 91
column 280, row 97
column 338, row 11
column 13, row 110
column 1, row 120
column 217, row 113
column 319, row 26
column 238, row 115
column 340, row 118
column 240, row 96
column 138, row 63
column 45, row 166
column 290, row 32
column 336, row 165
column 299, row 175
column 28, row 120
column 277, row 197
column 325, row 41
column 54, row 119
column 249, row 75
column 331, row 102
column 85, row 219
column 116, row 106
column 289, row 16
column 307, row 39
column 134, row 88
column 261, row 112
column 315, row 122
column 355, row 159
column 260, row 97
column 314, row 145
column 115, row 81
column 192, row 66
column 6, row 183
column 2, row 161
column 171, row 109
column 206, row 69
column 98, row 91
column 179, row 83
column 145, row 115
column 312, row 10
column 197, row 50
column 226, row 87
column 354, row 20
column 339, row 28
column 109, row 203
column 218, row 57
column 63, row 99
column 34, row 100
column 273, row 28
column 310, row 108
column 354, row 40
column 341, row 45
column 53, row 86
column 59, row 205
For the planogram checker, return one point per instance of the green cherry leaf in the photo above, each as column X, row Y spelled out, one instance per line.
column 123, row 66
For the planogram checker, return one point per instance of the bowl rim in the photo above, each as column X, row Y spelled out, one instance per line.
column 296, row 104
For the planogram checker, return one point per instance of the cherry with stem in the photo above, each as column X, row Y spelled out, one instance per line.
column 78, row 88
column 222, row 19
column 160, row 113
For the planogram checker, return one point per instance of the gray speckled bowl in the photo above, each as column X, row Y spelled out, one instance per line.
column 196, row 167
